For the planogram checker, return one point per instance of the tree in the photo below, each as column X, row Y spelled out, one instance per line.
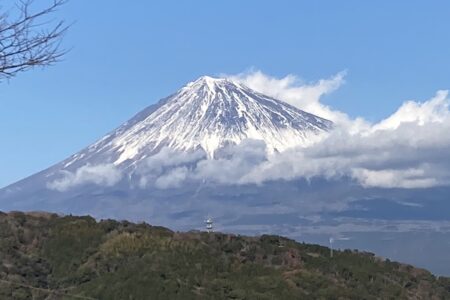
column 30, row 39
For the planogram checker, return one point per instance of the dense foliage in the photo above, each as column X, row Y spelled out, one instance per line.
column 59, row 256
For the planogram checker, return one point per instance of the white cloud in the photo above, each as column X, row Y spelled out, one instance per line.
column 293, row 91
column 410, row 156
column 434, row 110
column 233, row 164
column 102, row 174
column 167, row 168
column 173, row 178
column 409, row 178
column 408, row 149
column 305, row 96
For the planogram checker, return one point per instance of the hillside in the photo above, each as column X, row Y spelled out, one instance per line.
column 121, row 260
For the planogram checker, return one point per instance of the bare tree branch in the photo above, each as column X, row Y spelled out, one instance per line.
column 30, row 40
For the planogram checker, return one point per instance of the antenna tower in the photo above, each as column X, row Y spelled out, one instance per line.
column 209, row 224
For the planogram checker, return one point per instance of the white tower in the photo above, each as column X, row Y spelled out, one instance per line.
column 331, row 246
column 209, row 224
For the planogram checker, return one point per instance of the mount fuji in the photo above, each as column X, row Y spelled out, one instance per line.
column 206, row 114
column 202, row 119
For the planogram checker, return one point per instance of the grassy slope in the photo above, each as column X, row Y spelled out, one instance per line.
column 121, row 260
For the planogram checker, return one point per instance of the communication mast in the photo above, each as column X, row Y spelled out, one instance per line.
column 331, row 246
column 209, row 224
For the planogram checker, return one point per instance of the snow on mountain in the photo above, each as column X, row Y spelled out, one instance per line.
column 207, row 114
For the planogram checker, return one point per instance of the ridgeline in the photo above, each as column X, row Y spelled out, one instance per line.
column 45, row 256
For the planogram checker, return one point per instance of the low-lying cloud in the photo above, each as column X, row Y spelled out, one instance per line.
column 102, row 174
column 408, row 149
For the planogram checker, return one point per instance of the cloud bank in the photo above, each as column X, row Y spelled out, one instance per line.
column 102, row 174
column 293, row 91
column 408, row 149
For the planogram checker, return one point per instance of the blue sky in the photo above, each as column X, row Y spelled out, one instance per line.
column 127, row 56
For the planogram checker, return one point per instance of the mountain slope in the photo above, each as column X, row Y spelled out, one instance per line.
column 206, row 114
column 121, row 260
column 202, row 117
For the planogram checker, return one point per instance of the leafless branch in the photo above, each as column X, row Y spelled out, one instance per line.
column 30, row 39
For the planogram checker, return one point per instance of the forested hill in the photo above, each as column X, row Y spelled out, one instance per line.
column 45, row 256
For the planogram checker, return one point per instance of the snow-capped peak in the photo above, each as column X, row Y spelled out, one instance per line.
column 208, row 113
column 208, row 80
column 207, row 83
